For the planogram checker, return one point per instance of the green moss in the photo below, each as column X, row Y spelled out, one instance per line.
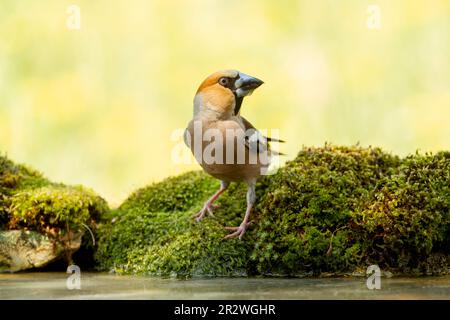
column 305, row 212
column 55, row 209
column 407, row 223
column 172, row 244
column 331, row 209
column 14, row 178
column 30, row 201
column 175, row 193
column 150, row 235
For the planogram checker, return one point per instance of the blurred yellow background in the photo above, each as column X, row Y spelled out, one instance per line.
column 97, row 105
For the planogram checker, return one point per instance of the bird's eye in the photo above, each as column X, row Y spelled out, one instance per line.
column 224, row 81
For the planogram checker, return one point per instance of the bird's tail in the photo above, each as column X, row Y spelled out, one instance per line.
column 269, row 139
column 277, row 153
column 273, row 152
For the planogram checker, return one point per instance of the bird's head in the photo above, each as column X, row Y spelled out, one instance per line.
column 224, row 91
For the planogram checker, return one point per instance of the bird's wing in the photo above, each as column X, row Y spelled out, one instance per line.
column 248, row 125
column 257, row 141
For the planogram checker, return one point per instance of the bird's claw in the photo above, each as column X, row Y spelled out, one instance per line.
column 238, row 231
column 207, row 208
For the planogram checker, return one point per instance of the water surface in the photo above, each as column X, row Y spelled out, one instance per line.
column 52, row 285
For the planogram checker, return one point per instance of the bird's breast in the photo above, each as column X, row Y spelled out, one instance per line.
column 220, row 148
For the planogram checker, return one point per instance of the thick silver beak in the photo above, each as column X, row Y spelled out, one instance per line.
column 245, row 85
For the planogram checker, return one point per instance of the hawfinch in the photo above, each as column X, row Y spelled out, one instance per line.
column 223, row 142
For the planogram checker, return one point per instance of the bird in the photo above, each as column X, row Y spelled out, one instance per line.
column 225, row 144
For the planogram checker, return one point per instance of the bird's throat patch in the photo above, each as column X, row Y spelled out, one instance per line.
column 237, row 108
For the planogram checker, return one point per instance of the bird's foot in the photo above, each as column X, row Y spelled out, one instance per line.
column 207, row 208
column 238, row 231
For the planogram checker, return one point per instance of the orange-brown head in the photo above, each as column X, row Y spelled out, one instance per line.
column 223, row 92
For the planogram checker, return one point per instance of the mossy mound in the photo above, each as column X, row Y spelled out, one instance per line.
column 305, row 213
column 173, row 194
column 29, row 201
column 152, row 232
column 331, row 209
column 14, row 178
column 406, row 226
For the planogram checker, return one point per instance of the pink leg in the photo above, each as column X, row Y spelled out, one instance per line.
column 209, row 204
column 239, row 231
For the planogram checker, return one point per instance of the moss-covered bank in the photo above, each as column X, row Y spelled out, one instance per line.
column 331, row 209
column 30, row 202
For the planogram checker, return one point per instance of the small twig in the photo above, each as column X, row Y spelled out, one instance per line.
column 330, row 247
column 90, row 231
